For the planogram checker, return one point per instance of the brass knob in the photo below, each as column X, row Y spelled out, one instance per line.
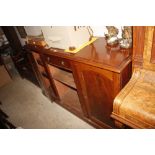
column 62, row 62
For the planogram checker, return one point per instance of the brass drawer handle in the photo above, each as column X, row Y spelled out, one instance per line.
column 62, row 63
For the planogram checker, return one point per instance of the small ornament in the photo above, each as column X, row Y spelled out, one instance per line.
column 111, row 37
column 126, row 41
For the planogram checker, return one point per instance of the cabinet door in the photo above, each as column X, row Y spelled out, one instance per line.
column 97, row 89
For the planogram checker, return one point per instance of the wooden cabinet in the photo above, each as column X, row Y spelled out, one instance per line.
column 97, row 86
column 87, row 82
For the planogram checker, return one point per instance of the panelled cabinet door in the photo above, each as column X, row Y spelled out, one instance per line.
column 97, row 91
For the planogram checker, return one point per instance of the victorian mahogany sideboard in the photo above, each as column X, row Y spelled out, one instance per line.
column 84, row 83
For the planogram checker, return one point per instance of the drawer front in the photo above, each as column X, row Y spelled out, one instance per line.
column 59, row 62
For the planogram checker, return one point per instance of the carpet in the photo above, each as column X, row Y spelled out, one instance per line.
column 28, row 108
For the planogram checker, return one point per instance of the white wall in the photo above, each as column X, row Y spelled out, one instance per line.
column 100, row 30
column 36, row 30
column 30, row 30
column 33, row 30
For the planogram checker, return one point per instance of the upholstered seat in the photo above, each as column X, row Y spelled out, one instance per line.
column 134, row 106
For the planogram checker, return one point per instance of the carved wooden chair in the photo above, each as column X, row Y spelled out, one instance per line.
column 134, row 106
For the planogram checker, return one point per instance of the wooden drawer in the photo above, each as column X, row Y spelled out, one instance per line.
column 59, row 62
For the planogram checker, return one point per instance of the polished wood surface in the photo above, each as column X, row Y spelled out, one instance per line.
column 86, row 83
column 96, row 54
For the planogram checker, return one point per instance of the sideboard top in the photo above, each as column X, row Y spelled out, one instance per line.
column 96, row 54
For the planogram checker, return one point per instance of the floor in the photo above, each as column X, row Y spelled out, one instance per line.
column 28, row 108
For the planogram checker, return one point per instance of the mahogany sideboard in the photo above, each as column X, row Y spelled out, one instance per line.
column 84, row 83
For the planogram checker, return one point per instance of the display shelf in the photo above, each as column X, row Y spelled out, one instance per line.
column 63, row 76
column 68, row 96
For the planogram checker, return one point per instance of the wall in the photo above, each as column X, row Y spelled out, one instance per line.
column 100, row 30
column 30, row 30
column 36, row 30
column 33, row 30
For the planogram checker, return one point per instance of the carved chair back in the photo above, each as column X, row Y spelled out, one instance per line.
column 144, row 47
